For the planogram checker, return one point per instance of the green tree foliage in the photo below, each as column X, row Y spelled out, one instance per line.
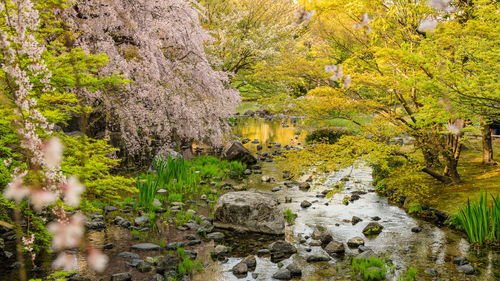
column 248, row 34
column 430, row 86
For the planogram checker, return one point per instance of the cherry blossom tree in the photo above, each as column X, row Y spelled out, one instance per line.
column 174, row 95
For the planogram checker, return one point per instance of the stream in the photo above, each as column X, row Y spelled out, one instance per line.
column 430, row 251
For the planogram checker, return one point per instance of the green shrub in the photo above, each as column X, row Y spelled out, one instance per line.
column 327, row 135
column 88, row 159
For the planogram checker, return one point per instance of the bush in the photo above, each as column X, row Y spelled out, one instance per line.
column 89, row 160
column 330, row 135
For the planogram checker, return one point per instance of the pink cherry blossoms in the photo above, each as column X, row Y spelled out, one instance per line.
column 22, row 61
column 175, row 94
column 338, row 75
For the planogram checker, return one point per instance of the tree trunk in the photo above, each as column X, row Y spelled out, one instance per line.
column 451, row 149
column 487, row 142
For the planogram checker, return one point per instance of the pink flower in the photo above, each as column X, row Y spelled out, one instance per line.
column 16, row 190
column 41, row 198
column 347, row 81
column 97, row 260
column 72, row 191
column 439, row 4
column 65, row 261
column 52, row 151
column 67, row 235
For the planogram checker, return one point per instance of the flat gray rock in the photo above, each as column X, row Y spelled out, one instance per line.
column 146, row 247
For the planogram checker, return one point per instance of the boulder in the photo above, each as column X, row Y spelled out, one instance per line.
column 281, row 250
column 250, row 211
column 355, row 242
column 317, row 257
column 283, row 274
column 355, row 220
column 294, row 269
column 250, row 261
column 240, row 269
column 372, row 228
column 305, row 204
column 237, row 152
column 334, row 248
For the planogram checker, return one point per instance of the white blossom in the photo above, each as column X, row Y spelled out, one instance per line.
column 72, row 191
column 16, row 190
column 427, row 25
column 41, row 198
column 53, row 152
column 97, row 260
column 67, row 235
column 65, row 261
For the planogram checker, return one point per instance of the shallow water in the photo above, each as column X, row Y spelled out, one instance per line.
column 432, row 248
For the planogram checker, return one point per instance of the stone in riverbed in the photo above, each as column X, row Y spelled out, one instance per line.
column 216, row 236
column 237, row 152
column 143, row 267
column 304, row 186
column 128, row 255
column 372, row 228
column 334, row 248
column 283, row 274
column 281, row 250
column 95, row 225
column 416, row 229
column 124, row 276
column 294, row 269
column 460, row 260
column 240, row 269
column 466, row 268
column 174, row 245
column 146, row 247
column 250, row 211
column 355, row 242
column 305, row 204
column 250, row 261
column 266, row 178
column 141, row 220
column 109, row 209
column 167, row 263
column 317, row 258
column 363, row 248
column 355, row 220
column 220, row 251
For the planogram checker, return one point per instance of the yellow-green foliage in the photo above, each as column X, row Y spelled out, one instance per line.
column 89, row 160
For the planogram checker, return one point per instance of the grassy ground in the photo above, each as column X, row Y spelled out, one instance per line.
column 475, row 177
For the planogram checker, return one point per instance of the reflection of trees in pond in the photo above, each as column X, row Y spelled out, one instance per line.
column 267, row 131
